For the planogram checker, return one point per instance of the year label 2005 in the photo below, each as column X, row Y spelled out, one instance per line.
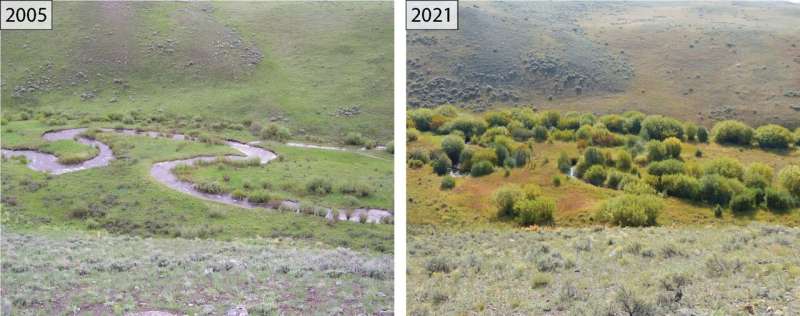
column 432, row 15
column 26, row 15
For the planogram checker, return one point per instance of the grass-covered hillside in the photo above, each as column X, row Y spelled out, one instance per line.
column 521, row 167
column 321, row 69
column 696, row 61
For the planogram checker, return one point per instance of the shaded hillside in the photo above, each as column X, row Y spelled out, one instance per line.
column 701, row 62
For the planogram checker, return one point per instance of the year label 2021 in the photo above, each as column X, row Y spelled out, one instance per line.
column 432, row 15
column 26, row 15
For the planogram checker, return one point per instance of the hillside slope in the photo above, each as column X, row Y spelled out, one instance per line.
column 231, row 61
column 697, row 61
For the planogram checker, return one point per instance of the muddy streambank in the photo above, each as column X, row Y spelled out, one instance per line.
column 162, row 171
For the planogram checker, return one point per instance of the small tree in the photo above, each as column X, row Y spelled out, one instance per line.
column 564, row 163
column 659, row 127
column 452, row 146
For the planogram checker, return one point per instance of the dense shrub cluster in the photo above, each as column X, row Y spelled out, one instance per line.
column 525, row 205
column 732, row 132
column 631, row 210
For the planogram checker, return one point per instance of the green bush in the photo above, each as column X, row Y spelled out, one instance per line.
column 789, row 178
column 521, row 155
column 505, row 198
column 593, row 156
column 259, row 197
column 660, row 128
column 702, row 135
column 596, row 175
column 275, row 132
column 556, row 181
column 758, row 175
column 535, row 212
column 631, row 210
column 633, row 121
column 448, row 182
column 442, row 165
column 673, row 147
column 690, row 129
column 744, row 201
column 615, row 178
column 778, row 200
column 319, row 186
column 481, row 168
column 419, row 154
column 452, row 145
column 540, row 133
column 726, row 167
column 732, row 132
column 465, row 160
column 681, row 186
column 773, row 136
column 664, row 167
column 716, row 189
column 469, row 126
column 624, row 161
column 239, row 195
column 656, row 151
column 355, row 139
column 390, row 147
column 421, row 118
column 564, row 162
column 614, row 123
column 412, row 135
column 496, row 118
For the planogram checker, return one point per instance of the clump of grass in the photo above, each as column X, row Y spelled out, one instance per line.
column 356, row 189
column 209, row 187
column 540, row 280
column 319, row 186
column 259, row 197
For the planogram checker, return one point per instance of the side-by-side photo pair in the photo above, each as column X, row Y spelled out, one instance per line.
column 553, row 158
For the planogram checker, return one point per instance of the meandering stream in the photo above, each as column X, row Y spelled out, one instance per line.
column 162, row 171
